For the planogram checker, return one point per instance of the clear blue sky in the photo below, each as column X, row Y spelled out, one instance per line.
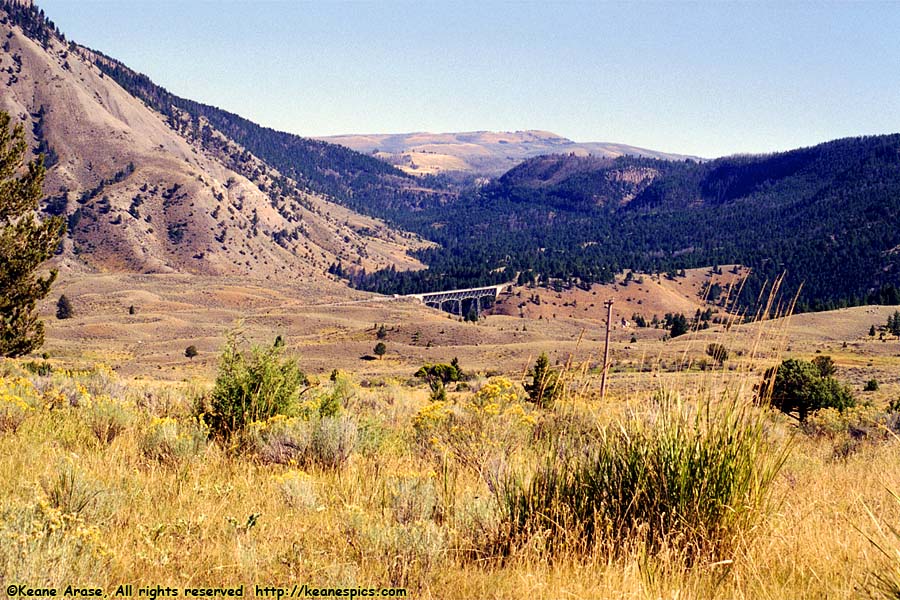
column 707, row 79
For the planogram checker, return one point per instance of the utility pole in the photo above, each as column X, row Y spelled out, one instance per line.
column 608, row 304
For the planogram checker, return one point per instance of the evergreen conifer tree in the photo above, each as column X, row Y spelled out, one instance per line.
column 64, row 308
column 543, row 388
column 25, row 243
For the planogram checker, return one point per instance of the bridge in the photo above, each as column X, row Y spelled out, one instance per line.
column 438, row 299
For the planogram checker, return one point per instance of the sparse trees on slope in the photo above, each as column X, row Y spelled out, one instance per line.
column 679, row 325
column 25, row 243
column 893, row 323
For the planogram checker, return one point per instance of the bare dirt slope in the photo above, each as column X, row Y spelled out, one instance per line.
column 480, row 152
column 141, row 197
column 645, row 295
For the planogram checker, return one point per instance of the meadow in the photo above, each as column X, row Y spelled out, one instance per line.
column 677, row 487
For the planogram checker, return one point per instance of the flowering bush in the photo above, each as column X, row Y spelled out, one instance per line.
column 17, row 396
column 490, row 424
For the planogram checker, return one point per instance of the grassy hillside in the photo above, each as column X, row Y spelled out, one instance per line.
column 355, row 180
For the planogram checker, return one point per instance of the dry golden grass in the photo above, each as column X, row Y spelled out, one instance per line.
column 397, row 516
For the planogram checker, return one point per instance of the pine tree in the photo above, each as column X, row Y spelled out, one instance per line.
column 893, row 323
column 679, row 325
column 64, row 308
column 25, row 243
column 543, row 388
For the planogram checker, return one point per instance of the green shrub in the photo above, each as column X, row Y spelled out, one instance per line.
column 42, row 369
column 871, row 386
column 437, row 376
column 330, row 402
column 251, row 386
column 691, row 481
column 544, row 387
column 798, row 386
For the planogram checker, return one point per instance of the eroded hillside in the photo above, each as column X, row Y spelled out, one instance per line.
column 141, row 195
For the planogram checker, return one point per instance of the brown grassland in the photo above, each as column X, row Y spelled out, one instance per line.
column 107, row 477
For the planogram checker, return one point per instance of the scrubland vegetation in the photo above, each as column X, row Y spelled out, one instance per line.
column 268, row 475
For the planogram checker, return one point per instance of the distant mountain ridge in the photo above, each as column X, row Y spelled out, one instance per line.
column 487, row 153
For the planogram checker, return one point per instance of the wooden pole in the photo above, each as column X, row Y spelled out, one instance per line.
column 608, row 304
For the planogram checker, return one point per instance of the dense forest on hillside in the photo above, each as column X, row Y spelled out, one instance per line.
column 827, row 216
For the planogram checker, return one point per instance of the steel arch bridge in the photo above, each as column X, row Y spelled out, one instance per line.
column 438, row 299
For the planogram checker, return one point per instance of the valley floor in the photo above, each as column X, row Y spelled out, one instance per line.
column 107, row 478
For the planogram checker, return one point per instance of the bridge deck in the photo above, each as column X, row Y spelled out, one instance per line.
column 437, row 299
column 461, row 294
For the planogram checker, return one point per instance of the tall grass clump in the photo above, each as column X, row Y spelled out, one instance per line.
column 168, row 441
column 68, row 490
column 885, row 581
column 683, row 478
column 251, row 386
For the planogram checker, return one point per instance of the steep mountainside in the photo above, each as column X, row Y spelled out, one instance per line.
column 828, row 216
column 359, row 182
column 142, row 192
column 487, row 153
